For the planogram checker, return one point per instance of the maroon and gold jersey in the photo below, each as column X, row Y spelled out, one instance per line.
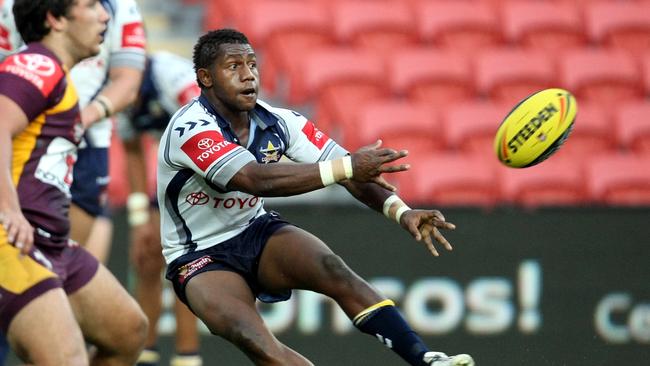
column 44, row 152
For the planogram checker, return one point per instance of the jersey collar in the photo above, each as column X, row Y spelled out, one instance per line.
column 261, row 115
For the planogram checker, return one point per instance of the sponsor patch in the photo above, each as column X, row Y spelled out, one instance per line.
column 38, row 69
column 189, row 269
column 5, row 42
column 314, row 135
column 206, row 147
column 133, row 35
column 188, row 93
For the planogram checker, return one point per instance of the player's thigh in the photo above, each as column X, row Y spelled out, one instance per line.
column 45, row 332
column 295, row 258
column 81, row 224
column 225, row 303
column 108, row 316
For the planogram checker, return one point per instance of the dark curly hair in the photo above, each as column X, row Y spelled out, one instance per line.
column 30, row 16
column 207, row 48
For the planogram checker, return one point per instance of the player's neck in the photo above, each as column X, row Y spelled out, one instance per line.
column 57, row 47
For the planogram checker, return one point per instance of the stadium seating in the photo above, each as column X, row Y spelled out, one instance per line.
column 633, row 127
column 447, row 179
column 620, row 24
column 470, row 127
column 461, row 25
column 592, row 133
column 619, row 180
column 645, row 70
column 401, row 125
column 508, row 75
column 555, row 182
column 375, row 25
column 601, row 75
column 431, row 75
column 543, row 25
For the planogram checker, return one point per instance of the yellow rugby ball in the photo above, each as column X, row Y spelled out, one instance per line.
column 535, row 128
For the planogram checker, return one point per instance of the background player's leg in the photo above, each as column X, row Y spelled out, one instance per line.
column 225, row 303
column 187, row 336
column 81, row 223
column 110, row 319
column 99, row 238
column 45, row 332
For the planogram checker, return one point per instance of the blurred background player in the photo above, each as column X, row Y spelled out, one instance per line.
column 219, row 156
column 54, row 294
column 107, row 83
column 169, row 82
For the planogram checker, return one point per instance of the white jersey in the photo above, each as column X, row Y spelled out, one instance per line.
column 199, row 154
column 10, row 40
column 124, row 46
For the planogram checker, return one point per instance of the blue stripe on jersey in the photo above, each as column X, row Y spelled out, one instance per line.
column 109, row 6
column 171, row 203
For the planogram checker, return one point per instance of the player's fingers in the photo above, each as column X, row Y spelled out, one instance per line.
column 415, row 232
column 390, row 155
column 437, row 215
column 441, row 239
column 429, row 243
column 382, row 182
column 394, row 168
column 444, row 225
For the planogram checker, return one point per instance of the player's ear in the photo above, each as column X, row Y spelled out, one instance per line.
column 204, row 77
column 54, row 23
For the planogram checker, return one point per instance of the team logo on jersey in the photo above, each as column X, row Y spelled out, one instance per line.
column 189, row 269
column 133, row 35
column 314, row 135
column 271, row 153
column 206, row 147
column 5, row 42
column 38, row 69
column 197, row 198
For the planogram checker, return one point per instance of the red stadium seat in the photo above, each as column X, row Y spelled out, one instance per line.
column 554, row 182
column 507, row 75
column 376, row 25
column 449, row 180
column 431, row 75
column 463, row 25
column 470, row 127
column 602, row 76
column 633, row 127
column 645, row 66
column 620, row 180
column 592, row 134
column 621, row 24
column 278, row 28
column 543, row 25
column 400, row 125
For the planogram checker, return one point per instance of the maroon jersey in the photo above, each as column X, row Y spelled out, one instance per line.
column 45, row 151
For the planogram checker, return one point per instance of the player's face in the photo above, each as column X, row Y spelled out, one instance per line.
column 86, row 23
column 236, row 78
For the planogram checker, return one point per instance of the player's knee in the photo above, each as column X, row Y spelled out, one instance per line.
column 131, row 335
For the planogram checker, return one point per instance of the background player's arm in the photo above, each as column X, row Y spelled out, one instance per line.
column 19, row 232
column 286, row 179
column 121, row 91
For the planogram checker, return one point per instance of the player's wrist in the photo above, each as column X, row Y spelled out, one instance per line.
column 137, row 205
column 104, row 106
column 334, row 171
column 394, row 208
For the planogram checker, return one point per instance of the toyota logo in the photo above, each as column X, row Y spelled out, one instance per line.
column 205, row 143
column 36, row 63
column 197, row 198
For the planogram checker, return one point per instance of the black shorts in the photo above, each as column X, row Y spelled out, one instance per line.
column 90, row 180
column 240, row 254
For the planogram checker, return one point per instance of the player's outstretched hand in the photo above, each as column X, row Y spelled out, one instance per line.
column 369, row 162
column 425, row 225
column 19, row 231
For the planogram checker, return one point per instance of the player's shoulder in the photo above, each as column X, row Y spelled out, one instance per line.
column 284, row 114
column 36, row 65
column 189, row 120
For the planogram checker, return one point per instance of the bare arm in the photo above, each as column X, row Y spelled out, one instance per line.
column 121, row 91
column 19, row 232
column 287, row 179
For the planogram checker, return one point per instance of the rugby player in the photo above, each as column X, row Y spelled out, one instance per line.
column 218, row 157
column 169, row 82
column 54, row 294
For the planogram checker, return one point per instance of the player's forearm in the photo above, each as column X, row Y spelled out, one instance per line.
column 370, row 194
column 277, row 180
column 119, row 93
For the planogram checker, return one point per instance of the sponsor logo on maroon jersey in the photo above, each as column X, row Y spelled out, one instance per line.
column 314, row 135
column 133, row 35
column 191, row 268
column 38, row 69
column 206, row 147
